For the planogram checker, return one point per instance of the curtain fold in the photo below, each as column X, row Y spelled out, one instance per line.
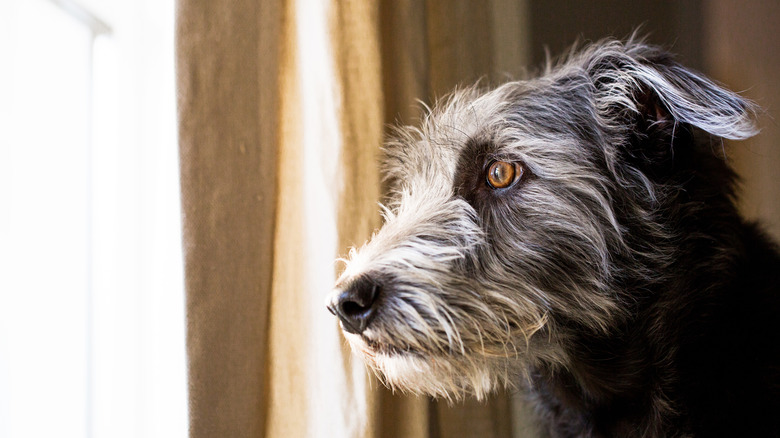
column 228, row 74
column 282, row 110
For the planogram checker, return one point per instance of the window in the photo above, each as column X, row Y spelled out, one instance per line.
column 91, row 289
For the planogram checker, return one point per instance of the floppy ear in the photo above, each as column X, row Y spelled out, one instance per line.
column 644, row 80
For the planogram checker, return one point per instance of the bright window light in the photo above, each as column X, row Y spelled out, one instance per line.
column 91, row 288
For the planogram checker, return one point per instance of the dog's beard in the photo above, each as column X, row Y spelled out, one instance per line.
column 449, row 376
column 478, row 366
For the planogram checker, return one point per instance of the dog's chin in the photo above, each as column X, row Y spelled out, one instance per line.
column 407, row 371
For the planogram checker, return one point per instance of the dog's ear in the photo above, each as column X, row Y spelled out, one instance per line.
column 635, row 79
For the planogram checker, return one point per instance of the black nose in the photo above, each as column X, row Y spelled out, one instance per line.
column 356, row 305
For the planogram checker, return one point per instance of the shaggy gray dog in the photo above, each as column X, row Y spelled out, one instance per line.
column 576, row 236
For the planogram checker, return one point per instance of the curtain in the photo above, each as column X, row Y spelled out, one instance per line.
column 282, row 110
column 229, row 57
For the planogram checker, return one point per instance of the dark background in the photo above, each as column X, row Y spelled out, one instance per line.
column 676, row 25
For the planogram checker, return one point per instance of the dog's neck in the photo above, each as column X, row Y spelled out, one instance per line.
column 615, row 384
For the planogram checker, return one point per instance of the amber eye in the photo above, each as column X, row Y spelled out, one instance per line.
column 501, row 174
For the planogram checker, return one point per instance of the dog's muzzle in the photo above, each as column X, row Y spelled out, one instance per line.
column 356, row 304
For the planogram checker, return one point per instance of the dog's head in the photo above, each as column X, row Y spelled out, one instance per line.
column 523, row 214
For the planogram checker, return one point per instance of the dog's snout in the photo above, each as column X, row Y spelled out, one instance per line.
column 356, row 305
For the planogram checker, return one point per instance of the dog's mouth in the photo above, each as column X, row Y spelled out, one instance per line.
column 373, row 347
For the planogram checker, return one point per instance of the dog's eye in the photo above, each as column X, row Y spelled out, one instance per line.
column 501, row 174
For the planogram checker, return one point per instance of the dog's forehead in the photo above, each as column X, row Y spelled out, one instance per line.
column 470, row 116
column 541, row 108
column 519, row 121
column 466, row 117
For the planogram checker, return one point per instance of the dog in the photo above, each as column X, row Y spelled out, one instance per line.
column 576, row 236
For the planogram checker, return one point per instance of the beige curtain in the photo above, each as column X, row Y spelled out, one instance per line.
column 228, row 70
column 282, row 108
